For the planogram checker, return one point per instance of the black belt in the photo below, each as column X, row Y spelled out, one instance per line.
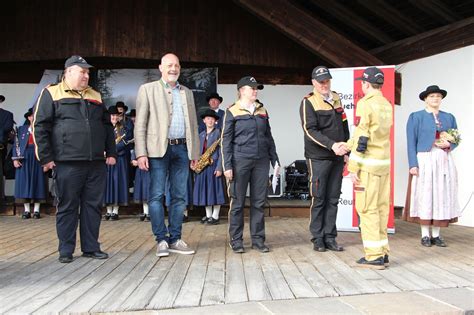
column 176, row 141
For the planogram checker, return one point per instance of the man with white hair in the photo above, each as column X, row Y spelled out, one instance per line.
column 166, row 140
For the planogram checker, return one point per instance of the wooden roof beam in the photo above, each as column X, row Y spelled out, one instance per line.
column 449, row 37
column 310, row 32
column 346, row 16
column 436, row 9
column 391, row 15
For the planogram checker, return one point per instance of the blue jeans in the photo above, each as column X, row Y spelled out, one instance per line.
column 175, row 163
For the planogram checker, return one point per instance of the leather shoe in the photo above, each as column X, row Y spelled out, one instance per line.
column 212, row 221
column 237, row 248
column 26, row 215
column 114, row 217
column 65, row 258
column 374, row 264
column 96, row 255
column 319, row 245
column 332, row 245
column 261, row 247
column 107, row 216
column 438, row 241
column 425, row 241
column 142, row 217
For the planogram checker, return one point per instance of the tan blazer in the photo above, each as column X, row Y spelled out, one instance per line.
column 154, row 110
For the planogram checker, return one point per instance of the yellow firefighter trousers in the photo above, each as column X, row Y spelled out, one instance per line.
column 372, row 205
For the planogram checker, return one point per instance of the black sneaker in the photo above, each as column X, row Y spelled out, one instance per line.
column 237, row 247
column 261, row 247
column 65, row 258
column 386, row 262
column 426, row 241
column 142, row 217
column 36, row 215
column 438, row 241
column 374, row 264
column 107, row 216
column 26, row 215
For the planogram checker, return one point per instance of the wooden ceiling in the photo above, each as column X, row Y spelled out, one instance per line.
column 361, row 32
column 279, row 41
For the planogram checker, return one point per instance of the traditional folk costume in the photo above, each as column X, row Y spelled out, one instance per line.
column 141, row 189
column 116, row 193
column 433, row 200
column 30, row 180
column 209, row 189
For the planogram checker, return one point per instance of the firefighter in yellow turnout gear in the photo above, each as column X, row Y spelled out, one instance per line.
column 369, row 167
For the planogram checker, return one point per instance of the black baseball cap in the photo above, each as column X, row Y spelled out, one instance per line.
column 372, row 75
column 250, row 81
column 321, row 73
column 77, row 61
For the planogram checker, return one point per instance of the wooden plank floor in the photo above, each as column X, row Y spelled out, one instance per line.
column 133, row 278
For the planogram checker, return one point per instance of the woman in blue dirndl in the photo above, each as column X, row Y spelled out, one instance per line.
column 116, row 193
column 30, row 180
column 208, row 185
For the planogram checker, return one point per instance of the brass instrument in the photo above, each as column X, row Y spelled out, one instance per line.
column 119, row 133
column 205, row 160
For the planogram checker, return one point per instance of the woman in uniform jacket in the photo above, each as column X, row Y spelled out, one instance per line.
column 248, row 149
column 30, row 181
column 434, row 185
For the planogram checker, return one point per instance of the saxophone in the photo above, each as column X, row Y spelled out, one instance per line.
column 119, row 133
column 206, row 159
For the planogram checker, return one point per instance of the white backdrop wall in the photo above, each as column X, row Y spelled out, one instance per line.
column 452, row 71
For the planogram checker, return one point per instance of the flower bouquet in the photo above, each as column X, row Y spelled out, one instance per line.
column 451, row 135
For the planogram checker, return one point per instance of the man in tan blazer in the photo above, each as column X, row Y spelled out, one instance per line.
column 166, row 140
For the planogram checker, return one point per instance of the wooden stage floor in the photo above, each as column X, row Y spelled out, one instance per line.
column 133, row 278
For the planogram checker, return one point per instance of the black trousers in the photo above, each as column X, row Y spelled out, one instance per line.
column 325, row 190
column 254, row 172
column 80, row 190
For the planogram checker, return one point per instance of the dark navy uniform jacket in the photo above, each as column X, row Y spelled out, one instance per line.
column 69, row 126
column 6, row 125
column 246, row 135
